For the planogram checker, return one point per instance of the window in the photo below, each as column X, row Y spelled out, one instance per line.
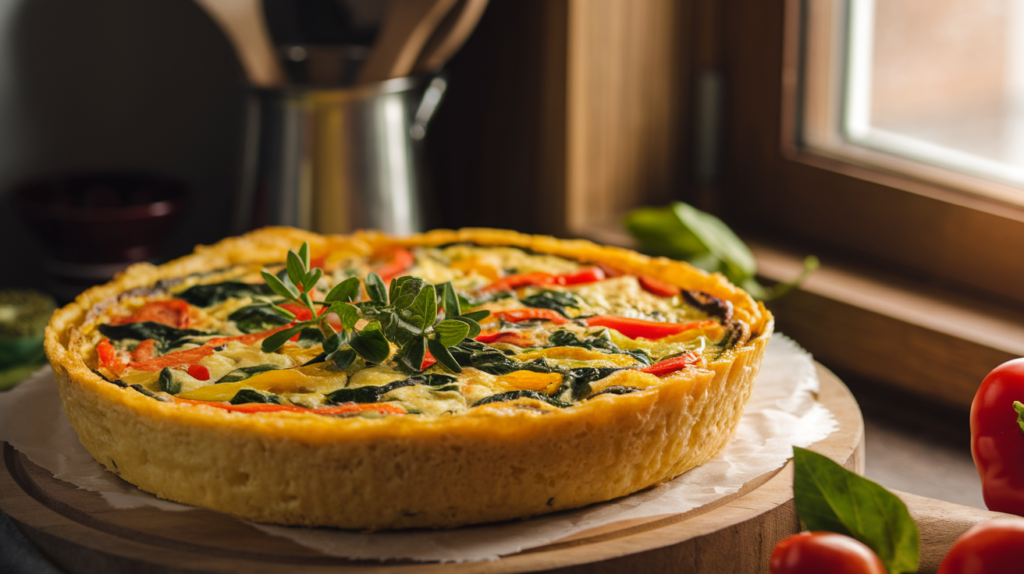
column 805, row 161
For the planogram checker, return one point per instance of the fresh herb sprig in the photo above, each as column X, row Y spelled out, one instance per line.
column 407, row 314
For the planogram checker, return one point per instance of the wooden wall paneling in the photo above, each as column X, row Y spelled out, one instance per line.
column 627, row 106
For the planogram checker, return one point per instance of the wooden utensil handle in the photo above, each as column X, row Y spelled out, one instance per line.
column 940, row 524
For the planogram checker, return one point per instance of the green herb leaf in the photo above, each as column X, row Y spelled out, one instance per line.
column 423, row 311
column 376, row 289
column 274, row 342
column 450, row 301
column 476, row 315
column 296, row 270
column 474, row 327
column 829, row 497
column 312, row 278
column 371, row 344
column 332, row 343
column 410, row 357
column 404, row 291
column 342, row 358
column 277, row 286
column 443, row 356
column 282, row 312
column 346, row 291
column 348, row 314
column 451, row 332
column 304, row 255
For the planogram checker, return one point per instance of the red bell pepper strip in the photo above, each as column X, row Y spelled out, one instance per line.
column 400, row 261
column 512, row 282
column 190, row 356
column 672, row 365
column 111, row 358
column 997, row 437
column 585, row 275
column 199, row 372
column 172, row 312
column 509, row 337
column 341, row 409
column 518, row 315
column 428, row 360
column 657, row 286
column 637, row 328
column 144, row 351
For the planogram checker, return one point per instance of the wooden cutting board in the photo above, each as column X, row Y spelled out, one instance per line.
column 80, row 532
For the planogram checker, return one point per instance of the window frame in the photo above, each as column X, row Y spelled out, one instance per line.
column 772, row 182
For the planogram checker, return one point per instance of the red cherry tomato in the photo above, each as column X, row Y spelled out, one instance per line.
column 824, row 552
column 992, row 547
column 997, row 440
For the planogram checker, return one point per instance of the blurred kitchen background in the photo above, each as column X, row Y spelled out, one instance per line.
column 883, row 136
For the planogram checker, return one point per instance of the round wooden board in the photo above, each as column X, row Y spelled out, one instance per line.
column 80, row 532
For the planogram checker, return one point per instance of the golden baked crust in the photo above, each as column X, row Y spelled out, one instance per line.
column 491, row 463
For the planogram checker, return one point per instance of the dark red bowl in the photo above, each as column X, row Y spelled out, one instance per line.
column 102, row 217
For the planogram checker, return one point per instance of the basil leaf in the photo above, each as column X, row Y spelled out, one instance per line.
column 371, row 344
column 450, row 332
column 346, row 291
column 304, row 255
column 442, row 355
column 829, row 497
column 279, row 287
column 274, row 342
column 410, row 357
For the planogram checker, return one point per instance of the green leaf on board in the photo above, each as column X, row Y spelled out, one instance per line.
column 829, row 497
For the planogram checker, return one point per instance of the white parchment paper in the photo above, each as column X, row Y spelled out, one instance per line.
column 782, row 412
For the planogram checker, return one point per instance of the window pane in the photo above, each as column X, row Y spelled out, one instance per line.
column 938, row 81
